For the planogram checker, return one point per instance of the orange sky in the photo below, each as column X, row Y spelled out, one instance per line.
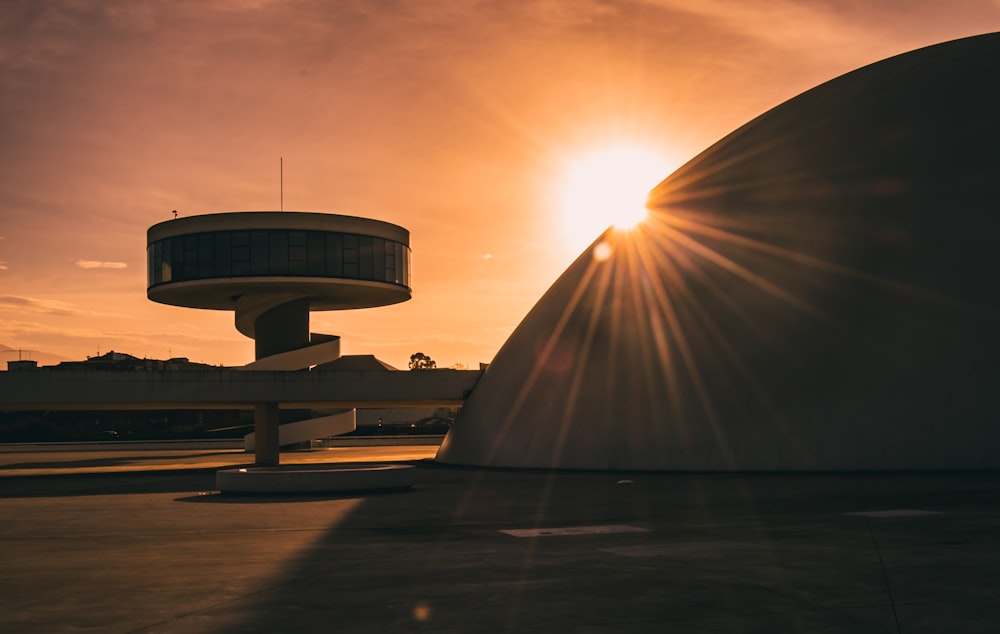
column 456, row 120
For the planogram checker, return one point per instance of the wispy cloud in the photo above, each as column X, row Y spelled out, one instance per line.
column 95, row 264
column 20, row 328
column 43, row 306
column 79, row 341
column 3, row 265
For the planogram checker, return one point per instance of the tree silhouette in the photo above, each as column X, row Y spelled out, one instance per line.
column 420, row 361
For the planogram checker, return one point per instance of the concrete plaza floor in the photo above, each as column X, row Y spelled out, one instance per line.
column 471, row 550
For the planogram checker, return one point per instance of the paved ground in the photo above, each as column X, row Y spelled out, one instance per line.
column 161, row 552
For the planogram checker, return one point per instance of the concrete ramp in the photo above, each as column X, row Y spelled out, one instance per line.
column 305, row 430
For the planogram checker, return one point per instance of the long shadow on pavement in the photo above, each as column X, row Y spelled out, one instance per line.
column 709, row 553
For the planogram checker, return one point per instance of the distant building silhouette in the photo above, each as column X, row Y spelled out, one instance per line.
column 22, row 365
column 122, row 362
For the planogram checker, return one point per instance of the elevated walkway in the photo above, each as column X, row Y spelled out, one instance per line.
column 232, row 389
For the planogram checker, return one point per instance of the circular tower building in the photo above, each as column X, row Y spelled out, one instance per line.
column 272, row 268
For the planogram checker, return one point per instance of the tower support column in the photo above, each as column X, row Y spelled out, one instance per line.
column 265, row 426
column 283, row 328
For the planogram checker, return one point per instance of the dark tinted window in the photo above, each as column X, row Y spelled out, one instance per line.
column 277, row 252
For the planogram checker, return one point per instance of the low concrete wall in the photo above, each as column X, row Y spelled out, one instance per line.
column 122, row 445
column 427, row 440
column 221, row 444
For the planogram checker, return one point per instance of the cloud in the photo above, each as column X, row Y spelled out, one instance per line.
column 846, row 32
column 3, row 265
column 94, row 264
column 43, row 306
column 20, row 329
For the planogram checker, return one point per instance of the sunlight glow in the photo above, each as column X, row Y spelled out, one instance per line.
column 608, row 187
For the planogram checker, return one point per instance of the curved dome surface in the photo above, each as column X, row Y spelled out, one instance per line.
column 816, row 291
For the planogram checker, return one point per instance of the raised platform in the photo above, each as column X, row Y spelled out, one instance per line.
column 315, row 478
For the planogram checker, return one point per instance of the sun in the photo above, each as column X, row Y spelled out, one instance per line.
column 608, row 187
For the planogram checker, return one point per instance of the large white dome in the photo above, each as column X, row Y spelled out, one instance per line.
column 817, row 291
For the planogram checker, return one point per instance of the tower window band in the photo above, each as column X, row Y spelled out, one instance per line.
column 278, row 252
